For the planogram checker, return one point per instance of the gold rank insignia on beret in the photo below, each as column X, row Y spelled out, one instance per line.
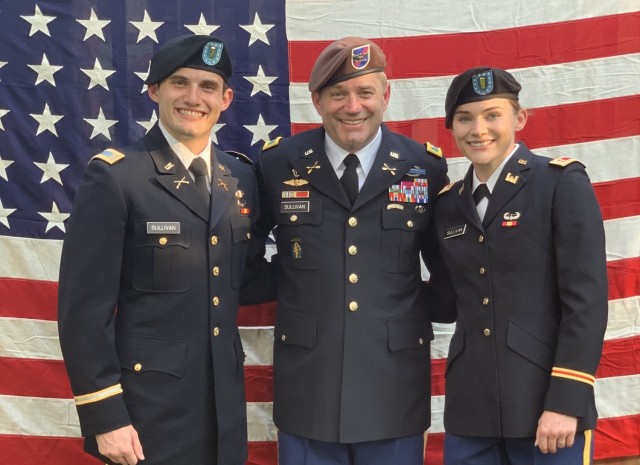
column 110, row 156
column 271, row 143
column 563, row 161
column 432, row 149
column 446, row 188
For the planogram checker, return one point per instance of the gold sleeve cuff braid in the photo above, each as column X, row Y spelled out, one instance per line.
column 98, row 395
column 573, row 375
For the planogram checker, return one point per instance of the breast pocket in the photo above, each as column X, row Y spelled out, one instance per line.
column 161, row 261
column 240, row 236
column 400, row 238
column 298, row 235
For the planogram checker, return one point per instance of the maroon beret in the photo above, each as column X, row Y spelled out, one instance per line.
column 344, row 59
column 477, row 84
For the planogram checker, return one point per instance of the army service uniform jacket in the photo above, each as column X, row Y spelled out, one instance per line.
column 531, row 290
column 148, row 300
column 352, row 332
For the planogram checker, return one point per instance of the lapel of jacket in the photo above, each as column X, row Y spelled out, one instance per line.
column 511, row 180
column 312, row 165
column 389, row 166
column 465, row 199
column 172, row 175
column 223, row 186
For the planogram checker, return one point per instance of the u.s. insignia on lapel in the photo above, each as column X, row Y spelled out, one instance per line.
column 168, row 166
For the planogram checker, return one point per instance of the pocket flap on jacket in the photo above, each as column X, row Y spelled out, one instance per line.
column 141, row 354
column 530, row 347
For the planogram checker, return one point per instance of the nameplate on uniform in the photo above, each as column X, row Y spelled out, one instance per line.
column 301, row 206
column 163, row 227
column 455, row 231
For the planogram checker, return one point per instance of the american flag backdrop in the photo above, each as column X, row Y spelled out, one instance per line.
column 71, row 84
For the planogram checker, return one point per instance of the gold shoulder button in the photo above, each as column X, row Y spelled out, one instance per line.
column 446, row 188
column 110, row 156
column 272, row 143
column 564, row 161
column 432, row 149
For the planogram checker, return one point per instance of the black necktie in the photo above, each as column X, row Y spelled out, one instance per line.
column 480, row 193
column 199, row 169
column 349, row 178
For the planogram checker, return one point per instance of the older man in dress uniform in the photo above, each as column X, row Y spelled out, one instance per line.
column 352, row 207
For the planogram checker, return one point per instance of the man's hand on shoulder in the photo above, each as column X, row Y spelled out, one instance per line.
column 121, row 445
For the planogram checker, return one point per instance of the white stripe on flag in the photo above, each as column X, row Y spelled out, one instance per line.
column 317, row 19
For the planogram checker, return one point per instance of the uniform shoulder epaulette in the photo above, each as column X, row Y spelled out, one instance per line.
column 564, row 161
column 446, row 188
column 272, row 143
column 433, row 150
column 111, row 156
column 240, row 156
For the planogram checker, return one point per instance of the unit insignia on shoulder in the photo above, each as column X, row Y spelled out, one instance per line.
column 111, row 156
column 240, row 156
column 564, row 161
column 272, row 143
column 432, row 149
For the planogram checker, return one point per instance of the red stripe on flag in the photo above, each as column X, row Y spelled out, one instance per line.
column 506, row 48
column 29, row 450
column 624, row 278
column 34, row 378
column 619, row 198
column 551, row 126
column 27, row 298
column 263, row 453
column 258, row 381
column 257, row 315
column 619, row 353
column 617, row 437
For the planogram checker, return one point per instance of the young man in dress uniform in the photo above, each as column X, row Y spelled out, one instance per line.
column 150, row 274
column 524, row 241
column 352, row 204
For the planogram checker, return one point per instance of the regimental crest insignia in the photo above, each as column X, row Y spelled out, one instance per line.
column 483, row 82
column 212, row 52
column 360, row 56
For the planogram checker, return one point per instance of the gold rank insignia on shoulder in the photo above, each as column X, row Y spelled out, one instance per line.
column 446, row 188
column 563, row 161
column 432, row 149
column 272, row 143
column 110, row 156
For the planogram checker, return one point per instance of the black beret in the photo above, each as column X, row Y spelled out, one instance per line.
column 190, row 51
column 477, row 84
column 345, row 59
